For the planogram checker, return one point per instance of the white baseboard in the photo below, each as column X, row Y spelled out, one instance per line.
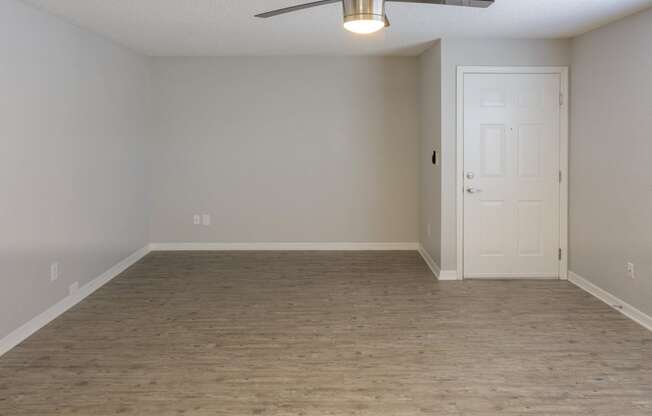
column 611, row 300
column 434, row 267
column 510, row 276
column 449, row 275
column 284, row 246
column 22, row 333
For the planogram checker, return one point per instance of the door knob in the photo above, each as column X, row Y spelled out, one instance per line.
column 473, row 190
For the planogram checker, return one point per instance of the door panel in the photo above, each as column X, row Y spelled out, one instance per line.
column 511, row 167
column 530, row 228
column 492, row 154
column 528, row 142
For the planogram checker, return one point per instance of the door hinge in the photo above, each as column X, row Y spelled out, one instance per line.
column 560, row 176
column 561, row 100
column 559, row 254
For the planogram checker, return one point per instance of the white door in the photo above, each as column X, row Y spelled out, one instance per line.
column 511, row 175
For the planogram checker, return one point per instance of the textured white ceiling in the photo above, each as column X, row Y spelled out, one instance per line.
column 226, row 27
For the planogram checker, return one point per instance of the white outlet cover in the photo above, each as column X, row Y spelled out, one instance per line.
column 206, row 219
column 196, row 219
column 54, row 271
column 631, row 271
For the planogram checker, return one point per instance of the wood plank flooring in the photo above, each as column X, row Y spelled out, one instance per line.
column 328, row 333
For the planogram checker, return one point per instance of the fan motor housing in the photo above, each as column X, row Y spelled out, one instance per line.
column 364, row 10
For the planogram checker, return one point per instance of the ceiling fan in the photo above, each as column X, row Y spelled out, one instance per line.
column 368, row 16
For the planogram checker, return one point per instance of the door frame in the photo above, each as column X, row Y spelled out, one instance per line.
column 563, row 153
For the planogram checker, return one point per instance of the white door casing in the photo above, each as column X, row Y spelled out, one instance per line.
column 513, row 161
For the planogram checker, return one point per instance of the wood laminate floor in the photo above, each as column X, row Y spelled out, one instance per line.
column 328, row 333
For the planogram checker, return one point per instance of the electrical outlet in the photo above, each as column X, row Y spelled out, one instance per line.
column 54, row 271
column 73, row 288
column 196, row 219
column 206, row 219
column 630, row 271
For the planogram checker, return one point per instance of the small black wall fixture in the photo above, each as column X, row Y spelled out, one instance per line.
column 435, row 158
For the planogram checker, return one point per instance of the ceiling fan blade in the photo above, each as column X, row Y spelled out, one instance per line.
column 295, row 8
column 464, row 3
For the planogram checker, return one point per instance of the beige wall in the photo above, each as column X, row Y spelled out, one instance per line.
column 73, row 173
column 459, row 52
column 287, row 149
column 430, row 175
column 610, row 158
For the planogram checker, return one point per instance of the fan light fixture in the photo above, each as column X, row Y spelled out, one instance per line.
column 368, row 16
column 364, row 25
column 364, row 16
